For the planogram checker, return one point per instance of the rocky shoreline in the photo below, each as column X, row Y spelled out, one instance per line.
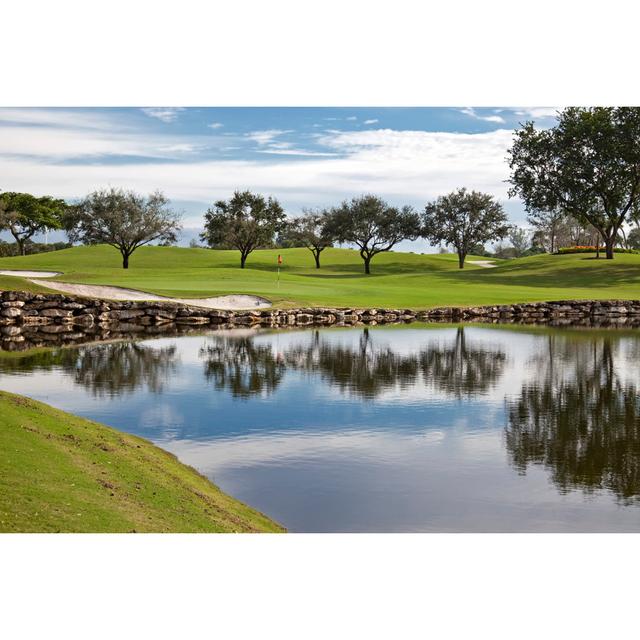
column 44, row 318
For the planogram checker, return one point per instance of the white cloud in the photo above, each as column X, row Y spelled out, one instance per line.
column 292, row 151
column 75, row 118
column 165, row 114
column 215, row 125
column 60, row 143
column 537, row 112
column 403, row 166
column 372, row 121
column 266, row 136
column 351, row 118
column 469, row 111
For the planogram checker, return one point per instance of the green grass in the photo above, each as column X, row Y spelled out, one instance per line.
column 59, row 472
column 398, row 279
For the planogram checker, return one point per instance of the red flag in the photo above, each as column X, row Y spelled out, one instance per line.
column 279, row 259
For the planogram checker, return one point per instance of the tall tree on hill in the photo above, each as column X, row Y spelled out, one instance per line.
column 25, row 215
column 312, row 231
column 372, row 225
column 122, row 219
column 464, row 219
column 247, row 221
column 588, row 166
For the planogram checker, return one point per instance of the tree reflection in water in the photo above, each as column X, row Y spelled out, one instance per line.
column 455, row 367
column 580, row 419
column 460, row 369
column 108, row 369
column 237, row 364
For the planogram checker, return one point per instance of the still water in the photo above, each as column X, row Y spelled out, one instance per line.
column 410, row 428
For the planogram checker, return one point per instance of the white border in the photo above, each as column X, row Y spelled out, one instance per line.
column 279, row 52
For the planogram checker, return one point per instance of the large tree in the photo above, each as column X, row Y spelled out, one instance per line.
column 245, row 222
column 311, row 231
column 25, row 215
column 123, row 219
column 372, row 225
column 588, row 166
column 464, row 219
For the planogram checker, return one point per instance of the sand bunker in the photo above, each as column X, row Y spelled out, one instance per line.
column 231, row 302
column 487, row 264
column 30, row 274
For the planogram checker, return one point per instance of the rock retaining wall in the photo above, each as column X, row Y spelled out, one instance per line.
column 56, row 316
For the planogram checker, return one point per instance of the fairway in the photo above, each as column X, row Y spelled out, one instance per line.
column 397, row 279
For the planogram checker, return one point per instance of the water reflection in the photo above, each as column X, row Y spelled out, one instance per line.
column 434, row 428
column 453, row 367
column 109, row 369
column 580, row 418
column 461, row 369
column 236, row 363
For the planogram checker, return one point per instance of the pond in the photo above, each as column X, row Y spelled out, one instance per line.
column 428, row 428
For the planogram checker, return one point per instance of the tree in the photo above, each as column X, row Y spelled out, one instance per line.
column 588, row 166
column 246, row 222
column 519, row 239
column 25, row 215
column 310, row 231
column 122, row 219
column 372, row 225
column 547, row 226
column 464, row 219
column 633, row 238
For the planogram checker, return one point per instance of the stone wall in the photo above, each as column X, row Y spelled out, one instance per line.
column 55, row 317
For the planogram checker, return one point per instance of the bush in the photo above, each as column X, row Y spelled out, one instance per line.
column 9, row 249
column 590, row 249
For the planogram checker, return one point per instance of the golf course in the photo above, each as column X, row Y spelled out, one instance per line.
column 60, row 472
column 397, row 279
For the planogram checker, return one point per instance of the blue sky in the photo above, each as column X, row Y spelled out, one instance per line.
column 306, row 157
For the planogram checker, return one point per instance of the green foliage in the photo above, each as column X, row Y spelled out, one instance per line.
column 520, row 241
column 372, row 225
column 588, row 166
column 25, row 215
column 633, row 238
column 122, row 219
column 312, row 231
column 463, row 220
column 570, row 250
column 245, row 222
column 8, row 249
column 59, row 472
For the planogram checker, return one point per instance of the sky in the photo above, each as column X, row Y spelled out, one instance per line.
column 306, row 157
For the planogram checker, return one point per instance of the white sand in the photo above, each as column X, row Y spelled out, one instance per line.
column 232, row 302
column 487, row 264
column 30, row 274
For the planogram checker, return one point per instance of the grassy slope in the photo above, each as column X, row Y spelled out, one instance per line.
column 398, row 279
column 59, row 472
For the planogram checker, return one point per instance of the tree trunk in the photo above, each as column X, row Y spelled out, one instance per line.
column 316, row 255
column 22, row 246
column 125, row 260
column 243, row 259
column 608, row 247
column 461, row 257
column 367, row 270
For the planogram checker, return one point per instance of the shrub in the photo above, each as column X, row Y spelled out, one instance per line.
column 589, row 249
column 10, row 249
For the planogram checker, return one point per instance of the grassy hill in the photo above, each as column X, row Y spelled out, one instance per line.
column 59, row 472
column 398, row 279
